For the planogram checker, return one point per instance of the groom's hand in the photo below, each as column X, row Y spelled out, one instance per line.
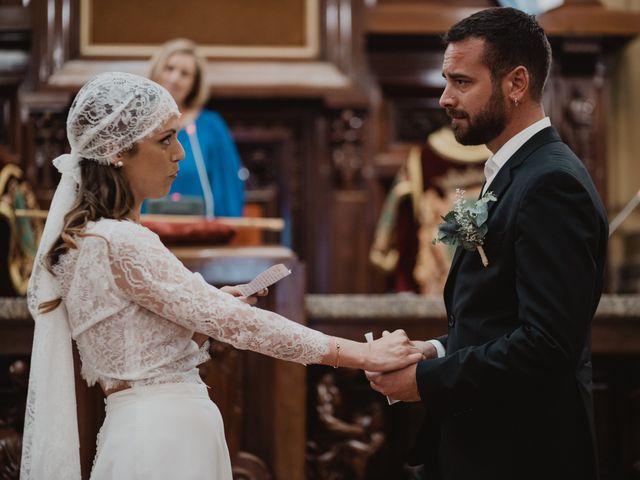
column 399, row 384
column 427, row 349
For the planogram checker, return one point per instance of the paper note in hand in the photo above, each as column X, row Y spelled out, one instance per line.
column 266, row 278
column 369, row 337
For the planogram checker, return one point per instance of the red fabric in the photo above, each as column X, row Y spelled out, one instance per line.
column 191, row 233
column 407, row 239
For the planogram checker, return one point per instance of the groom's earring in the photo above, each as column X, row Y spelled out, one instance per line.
column 515, row 102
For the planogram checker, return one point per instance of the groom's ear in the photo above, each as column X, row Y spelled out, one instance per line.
column 518, row 82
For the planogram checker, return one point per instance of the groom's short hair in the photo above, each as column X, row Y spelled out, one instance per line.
column 512, row 38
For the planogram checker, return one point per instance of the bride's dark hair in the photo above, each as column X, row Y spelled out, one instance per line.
column 104, row 192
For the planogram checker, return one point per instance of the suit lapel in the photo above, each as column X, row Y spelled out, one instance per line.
column 455, row 262
column 505, row 175
column 500, row 185
column 457, row 257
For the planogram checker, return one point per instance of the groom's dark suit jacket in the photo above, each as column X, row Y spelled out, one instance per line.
column 511, row 400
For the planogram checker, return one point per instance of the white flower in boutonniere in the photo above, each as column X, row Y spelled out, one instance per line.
column 466, row 225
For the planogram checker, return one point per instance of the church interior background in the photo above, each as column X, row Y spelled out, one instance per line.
column 333, row 105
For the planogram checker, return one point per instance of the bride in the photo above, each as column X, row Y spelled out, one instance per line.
column 134, row 310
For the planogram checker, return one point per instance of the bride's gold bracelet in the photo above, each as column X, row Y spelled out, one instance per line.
column 337, row 352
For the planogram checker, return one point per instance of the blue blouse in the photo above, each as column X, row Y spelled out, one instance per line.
column 222, row 163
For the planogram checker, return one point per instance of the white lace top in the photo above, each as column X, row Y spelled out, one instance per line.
column 133, row 308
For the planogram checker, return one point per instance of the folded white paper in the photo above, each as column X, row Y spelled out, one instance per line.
column 263, row 280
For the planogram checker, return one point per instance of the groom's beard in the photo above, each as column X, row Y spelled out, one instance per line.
column 485, row 126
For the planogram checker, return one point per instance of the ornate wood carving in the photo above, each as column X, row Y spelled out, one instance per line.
column 576, row 101
column 346, row 433
column 415, row 119
column 616, row 360
column 12, row 405
column 250, row 467
column 314, row 161
column 347, row 138
column 274, row 176
column 44, row 120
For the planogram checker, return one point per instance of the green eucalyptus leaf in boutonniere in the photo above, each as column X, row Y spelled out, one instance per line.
column 466, row 224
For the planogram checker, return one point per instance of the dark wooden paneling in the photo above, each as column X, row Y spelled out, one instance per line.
column 262, row 400
column 435, row 17
column 616, row 362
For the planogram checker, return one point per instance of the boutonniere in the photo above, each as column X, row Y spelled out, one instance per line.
column 466, row 225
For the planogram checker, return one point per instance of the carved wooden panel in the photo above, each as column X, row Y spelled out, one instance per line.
column 313, row 164
column 16, row 337
column 45, row 138
column 616, row 362
column 273, row 181
column 347, row 137
column 13, row 395
column 617, row 405
column 261, row 399
column 9, row 119
column 576, row 101
column 347, row 424
column 354, row 434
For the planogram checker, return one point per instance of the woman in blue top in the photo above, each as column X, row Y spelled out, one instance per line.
column 211, row 170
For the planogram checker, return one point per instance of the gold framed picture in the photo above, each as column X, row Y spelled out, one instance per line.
column 223, row 28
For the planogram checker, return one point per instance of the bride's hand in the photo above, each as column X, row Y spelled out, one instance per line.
column 252, row 300
column 392, row 351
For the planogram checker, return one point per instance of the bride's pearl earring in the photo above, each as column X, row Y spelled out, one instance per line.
column 119, row 164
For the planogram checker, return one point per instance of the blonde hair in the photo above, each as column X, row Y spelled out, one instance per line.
column 199, row 93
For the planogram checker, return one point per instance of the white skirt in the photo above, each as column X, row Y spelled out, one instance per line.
column 159, row 432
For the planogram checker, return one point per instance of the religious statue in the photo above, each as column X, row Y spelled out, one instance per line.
column 423, row 191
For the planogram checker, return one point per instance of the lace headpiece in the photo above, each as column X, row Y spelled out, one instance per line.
column 111, row 113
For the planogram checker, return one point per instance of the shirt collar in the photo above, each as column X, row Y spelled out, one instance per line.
column 512, row 145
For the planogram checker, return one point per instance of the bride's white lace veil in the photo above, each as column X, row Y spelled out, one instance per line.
column 111, row 113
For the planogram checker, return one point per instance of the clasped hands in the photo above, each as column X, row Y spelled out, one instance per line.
column 392, row 371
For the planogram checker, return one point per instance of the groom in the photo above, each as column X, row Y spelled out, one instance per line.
column 508, row 391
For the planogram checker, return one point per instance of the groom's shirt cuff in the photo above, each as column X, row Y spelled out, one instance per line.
column 439, row 347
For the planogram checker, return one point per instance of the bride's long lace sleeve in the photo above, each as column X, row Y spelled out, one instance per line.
column 151, row 276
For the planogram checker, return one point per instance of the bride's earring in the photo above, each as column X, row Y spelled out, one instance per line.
column 119, row 164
